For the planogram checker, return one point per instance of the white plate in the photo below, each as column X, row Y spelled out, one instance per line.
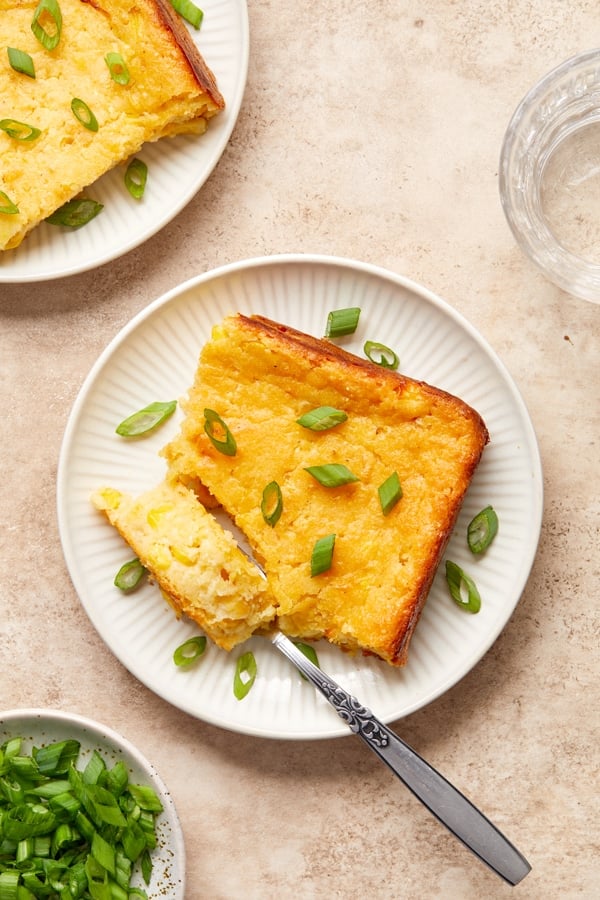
column 154, row 358
column 177, row 169
column 39, row 727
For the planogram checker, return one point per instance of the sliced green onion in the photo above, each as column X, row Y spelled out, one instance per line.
column 189, row 652
column 136, row 176
column 56, row 758
column 94, row 769
column 342, row 321
column 271, row 506
column 381, row 355
column 482, row 530
column 146, row 864
column 390, row 491
column 75, row 213
column 7, row 206
column 9, row 885
column 322, row 555
column 331, row 474
column 21, row 62
column 50, row 848
column 146, row 419
column 117, row 68
column 20, row 131
column 322, row 418
column 310, row 653
column 189, row 11
column 129, row 575
column 462, row 588
column 213, row 426
column 245, row 674
column 83, row 114
column 47, row 23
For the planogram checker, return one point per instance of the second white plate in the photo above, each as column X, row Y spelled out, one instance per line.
column 177, row 169
column 154, row 358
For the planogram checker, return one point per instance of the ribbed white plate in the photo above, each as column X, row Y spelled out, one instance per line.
column 177, row 169
column 39, row 727
column 154, row 358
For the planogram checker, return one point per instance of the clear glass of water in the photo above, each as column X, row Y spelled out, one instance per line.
column 549, row 176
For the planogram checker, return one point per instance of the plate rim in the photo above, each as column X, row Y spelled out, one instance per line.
column 232, row 112
column 311, row 259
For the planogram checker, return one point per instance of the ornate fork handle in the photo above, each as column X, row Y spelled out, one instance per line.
column 442, row 799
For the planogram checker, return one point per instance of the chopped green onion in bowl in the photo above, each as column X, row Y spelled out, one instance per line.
column 105, row 820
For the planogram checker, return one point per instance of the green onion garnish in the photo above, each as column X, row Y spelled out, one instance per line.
column 482, row 530
column 21, row 62
column 146, row 419
column 381, row 355
column 47, row 23
column 331, row 474
column 310, row 653
column 271, row 505
column 20, row 131
column 322, row 555
column 72, row 832
column 136, row 176
column 130, row 575
column 83, row 114
column 7, row 206
column 322, row 418
column 75, row 213
column 389, row 493
column 117, row 68
column 342, row 321
column 219, row 434
column 189, row 11
column 189, row 652
column 462, row 588
column 245, row 675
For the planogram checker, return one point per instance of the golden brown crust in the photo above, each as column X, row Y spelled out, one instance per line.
column 260, row 376
column 171, row 91
column 172, row 25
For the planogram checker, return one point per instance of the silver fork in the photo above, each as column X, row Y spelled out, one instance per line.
column 446, row 802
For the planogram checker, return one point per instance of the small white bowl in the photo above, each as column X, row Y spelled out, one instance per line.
column 44, row 726
column 549, row 177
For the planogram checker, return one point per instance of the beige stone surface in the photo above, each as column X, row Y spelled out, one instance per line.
column 370, row 130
